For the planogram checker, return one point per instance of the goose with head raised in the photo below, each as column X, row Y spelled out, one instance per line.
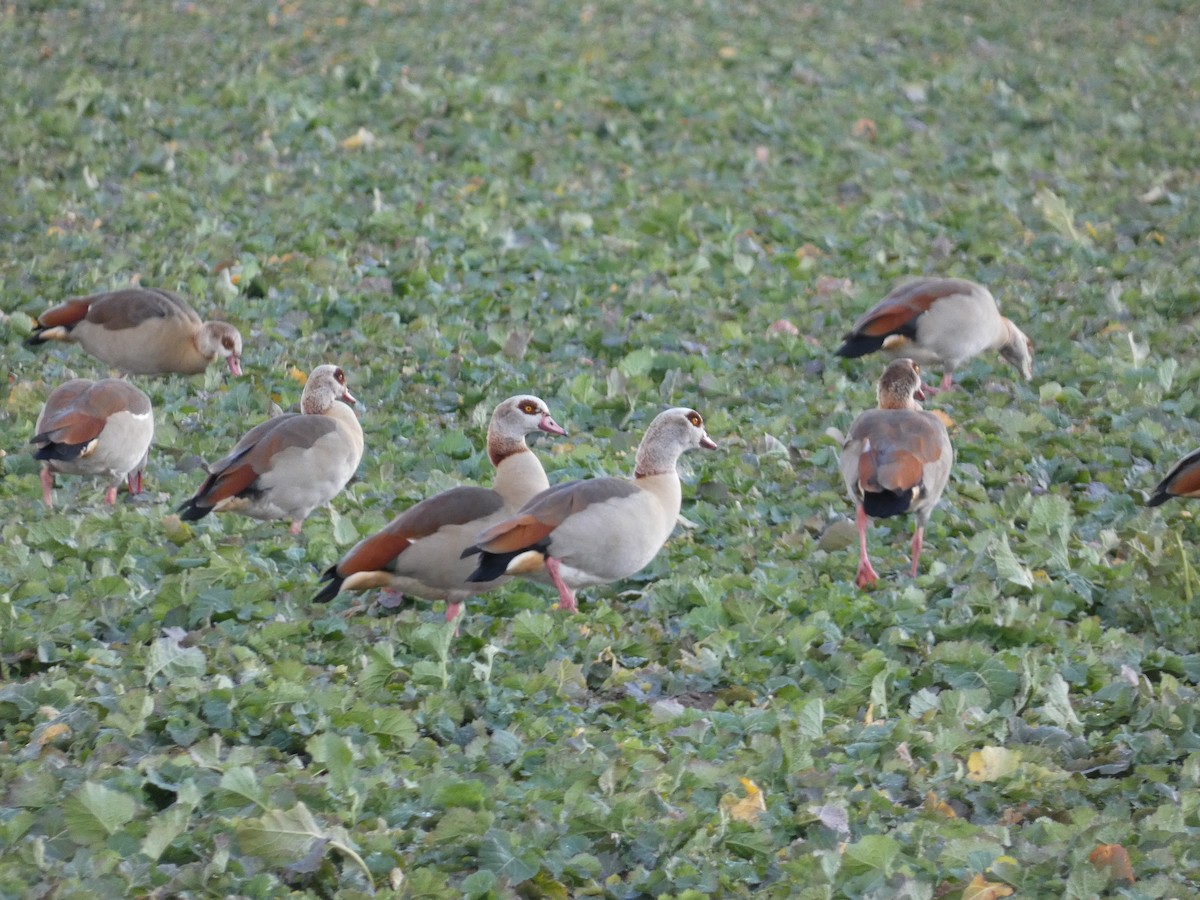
column 896, row 459
column 420, row 551
column 599, row 530
column 286, row 467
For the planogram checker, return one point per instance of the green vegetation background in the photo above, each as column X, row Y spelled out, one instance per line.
column 611, row 205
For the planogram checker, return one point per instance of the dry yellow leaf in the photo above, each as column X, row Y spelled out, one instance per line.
column 941, row 807
column 1115, row 858
column 991, row 764
column 298, row 376
column 360, row 138
column 745, row 809
column 52, row 733
column 981, row 889
column 945, row 419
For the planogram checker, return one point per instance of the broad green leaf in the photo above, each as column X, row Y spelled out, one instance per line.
column 344, row 532
column 879, row 852
column 280, row 836
column 1058, row 703
column 1007, row 566
column 294, row 838
column 242, row 781
column 164, row 828
column 498, row 854
column 169, row 658
column 811, row 720
column 94, row 812
column 335, row 752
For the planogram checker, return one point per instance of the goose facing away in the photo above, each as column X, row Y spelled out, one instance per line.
column 141, row 331
column 941, row 322
column 99, row 428
column 420, row 551
column 599, row 530
column 896, row 459
column 286, row 467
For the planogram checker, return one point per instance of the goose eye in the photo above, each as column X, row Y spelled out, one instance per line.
column 227, row 343
column 528, row 408
column 916, row 368
column 695, row 419
column 340, row 376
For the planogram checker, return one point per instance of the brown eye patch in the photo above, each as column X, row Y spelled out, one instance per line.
column 529, row 408
column 695, row 419
column 340, row 376
column 227, row 343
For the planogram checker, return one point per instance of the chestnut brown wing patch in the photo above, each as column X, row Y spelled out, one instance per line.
column 457, row 506
column 1182, row 481
column 77, row 411
column 66, row 315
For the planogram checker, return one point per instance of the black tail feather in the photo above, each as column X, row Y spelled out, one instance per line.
column 882, row 504
column 191, row 511
column 332, row 589
column 1158, row 498
column 492, row 565
column 855, row 345
column 51, row 450
column 35, row 339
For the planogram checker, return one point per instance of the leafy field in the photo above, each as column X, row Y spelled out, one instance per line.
column 610, row 205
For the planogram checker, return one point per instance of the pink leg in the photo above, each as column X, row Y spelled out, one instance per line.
column 867, row 575
column 453, row 610
column 917, row 541
column 946, row 385
column 566, row 597
column 297, row 524
column 135, row 482
column 47, row 487
column 110, row 496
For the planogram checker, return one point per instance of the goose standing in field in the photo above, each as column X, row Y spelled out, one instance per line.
column 286, row 467
column 1182, row 481
column 600, row 530
column 942, row 322
column 420, row 551
column 94, row 428
column 895, row 460
column 141, row 332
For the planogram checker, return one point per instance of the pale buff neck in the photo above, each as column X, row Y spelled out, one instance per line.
column 658, row 454
column 519, row 477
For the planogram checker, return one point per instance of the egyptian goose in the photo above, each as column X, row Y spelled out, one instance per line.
column 94, row 428
column 896, row 459
column 939, row 321
column 286, row 467
column 600, row 530
column 420, row 551
column 1182, row 481
column 142, row 332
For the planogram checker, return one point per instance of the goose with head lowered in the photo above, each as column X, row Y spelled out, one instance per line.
column 896, row 459
column 94, row 428
column 940, row 322
column 286, row 467
column 420, row 551
column 599, row 530
column 141, row 331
